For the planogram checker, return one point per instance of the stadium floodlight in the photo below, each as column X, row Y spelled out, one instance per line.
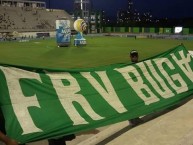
column 81, row 4
column 82, row 9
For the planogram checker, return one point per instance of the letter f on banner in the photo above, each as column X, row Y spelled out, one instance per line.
column 13, row 75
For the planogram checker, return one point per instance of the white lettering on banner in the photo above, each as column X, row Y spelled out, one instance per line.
column 191, row 53
column 13, row 77
column 171, row 80
column 68, row 94
column 109, row 94
column 165, row 92
column 138, row 85
column 184, row 64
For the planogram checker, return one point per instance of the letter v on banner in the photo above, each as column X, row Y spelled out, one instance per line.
column 110, row 95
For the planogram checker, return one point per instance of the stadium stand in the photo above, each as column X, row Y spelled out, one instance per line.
column 28, row 16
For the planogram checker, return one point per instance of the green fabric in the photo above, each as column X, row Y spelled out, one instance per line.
column 45, row 103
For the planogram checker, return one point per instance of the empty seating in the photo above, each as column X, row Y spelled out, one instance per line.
column 30, row 19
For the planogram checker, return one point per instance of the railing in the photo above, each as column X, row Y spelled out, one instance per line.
column 26, row 30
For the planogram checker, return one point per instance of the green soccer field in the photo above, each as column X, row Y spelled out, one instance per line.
column 99, row 51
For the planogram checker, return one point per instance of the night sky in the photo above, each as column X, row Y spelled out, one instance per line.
column 159, row 8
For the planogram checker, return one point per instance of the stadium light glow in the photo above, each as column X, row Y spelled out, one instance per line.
column 81, row 4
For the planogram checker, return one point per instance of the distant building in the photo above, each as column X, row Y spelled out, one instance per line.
column 132, row 16
column 130, row 5
column 83, row 9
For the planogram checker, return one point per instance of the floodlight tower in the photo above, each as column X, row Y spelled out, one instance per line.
column 82, row 9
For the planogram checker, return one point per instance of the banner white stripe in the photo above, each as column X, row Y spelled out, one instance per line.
column 191, row 52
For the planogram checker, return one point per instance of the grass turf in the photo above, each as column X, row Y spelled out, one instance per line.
column 99, row 51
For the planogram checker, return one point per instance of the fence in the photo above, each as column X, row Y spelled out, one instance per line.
column 185, row 31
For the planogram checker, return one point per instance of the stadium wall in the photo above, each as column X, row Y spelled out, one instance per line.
column 37, row 34
column 157, row 30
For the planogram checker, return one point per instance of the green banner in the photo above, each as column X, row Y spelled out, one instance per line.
column 46, row 103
